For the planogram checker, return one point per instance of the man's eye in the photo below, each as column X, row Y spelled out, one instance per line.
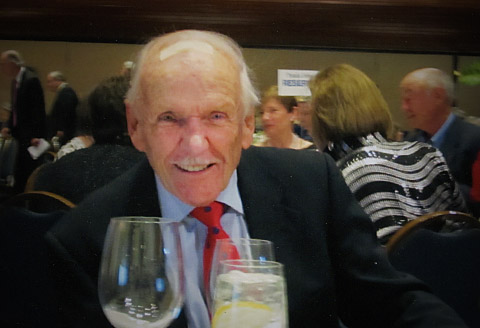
column 167, row 117
column 218, row 116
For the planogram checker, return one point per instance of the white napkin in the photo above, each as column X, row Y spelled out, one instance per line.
column 37, row 151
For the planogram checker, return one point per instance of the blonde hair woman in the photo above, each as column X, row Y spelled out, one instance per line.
column 278, row 113
column 394, row 182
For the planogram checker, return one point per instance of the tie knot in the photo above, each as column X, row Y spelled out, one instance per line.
column 209, row 215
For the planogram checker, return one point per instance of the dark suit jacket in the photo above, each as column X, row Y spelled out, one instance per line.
column 30, row 107
column 63, row 114
column 297, row 199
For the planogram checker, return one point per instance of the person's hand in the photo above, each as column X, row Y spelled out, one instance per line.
column 35, row 142
column 5, row 132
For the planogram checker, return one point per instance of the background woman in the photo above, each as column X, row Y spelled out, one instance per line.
column 278, row 113
column 394, row 182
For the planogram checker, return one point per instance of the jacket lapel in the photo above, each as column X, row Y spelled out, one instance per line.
column 267, row 213
column 142, row 199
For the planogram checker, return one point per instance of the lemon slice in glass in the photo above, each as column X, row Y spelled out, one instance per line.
column 242, row 315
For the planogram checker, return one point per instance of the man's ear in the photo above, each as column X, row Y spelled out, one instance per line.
column 248, row 129
column 133, row 127
column 440, row 94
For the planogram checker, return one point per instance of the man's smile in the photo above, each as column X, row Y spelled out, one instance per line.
column 194, row 168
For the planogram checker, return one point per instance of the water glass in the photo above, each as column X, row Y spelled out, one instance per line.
column 250, row 293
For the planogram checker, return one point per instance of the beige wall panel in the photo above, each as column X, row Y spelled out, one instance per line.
column 86, row 64
column 468, row 97
column 386, row 69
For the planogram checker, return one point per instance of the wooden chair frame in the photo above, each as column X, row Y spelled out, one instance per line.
column 48, row 201
column 436, row 221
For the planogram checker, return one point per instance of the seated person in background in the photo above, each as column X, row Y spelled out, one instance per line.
column 394, row 182
column 427, row 102
column 80, row 172
column 83, row 131
column 278, row 113
column 191, row 109
column 62, row 117
column 304, row 116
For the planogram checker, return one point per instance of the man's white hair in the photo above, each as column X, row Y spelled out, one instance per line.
column 219, row 42
column 14, row 56
column 431, row 78
column 57, row 76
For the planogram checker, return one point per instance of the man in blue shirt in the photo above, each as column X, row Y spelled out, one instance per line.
column 191, row 110
column 427, row 98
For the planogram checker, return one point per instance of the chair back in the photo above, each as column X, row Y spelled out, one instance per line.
column 26, row 285
column 441, row 221
column 39, row 201
column 442, row 249
column 30, row 185
column 8, row 157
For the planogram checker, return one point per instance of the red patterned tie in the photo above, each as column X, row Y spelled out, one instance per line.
column 210, row 216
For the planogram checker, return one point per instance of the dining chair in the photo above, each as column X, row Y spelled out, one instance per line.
column 27, row 288
column 39, row 201
column 8, row 157
column 440, row 221
column 442, row 249
column 30, row 185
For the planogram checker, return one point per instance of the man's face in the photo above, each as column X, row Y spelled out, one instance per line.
column 52, row 84
column 8, row 68
column 418, row 104
column 276, row 119
column 190, row 124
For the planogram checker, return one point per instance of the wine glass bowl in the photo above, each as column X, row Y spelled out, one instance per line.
column 141, row 272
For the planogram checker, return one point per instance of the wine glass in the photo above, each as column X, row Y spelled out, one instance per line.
column 141, row 272
column 247, row 249
column 250, row 293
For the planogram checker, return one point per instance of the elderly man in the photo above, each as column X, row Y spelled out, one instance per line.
column 27, row 119
column 190, row 109
column 427, row 98
column 62, row 117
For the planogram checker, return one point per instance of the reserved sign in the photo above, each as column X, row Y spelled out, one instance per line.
column 294, row 82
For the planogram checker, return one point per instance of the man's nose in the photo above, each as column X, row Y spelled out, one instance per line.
column 196, row 135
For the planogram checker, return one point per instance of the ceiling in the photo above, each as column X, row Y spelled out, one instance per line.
column 426, row 26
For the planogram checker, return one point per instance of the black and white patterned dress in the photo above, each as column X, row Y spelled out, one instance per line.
column 395, row 182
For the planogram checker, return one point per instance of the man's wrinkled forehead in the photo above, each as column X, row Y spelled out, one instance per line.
column 188, row 58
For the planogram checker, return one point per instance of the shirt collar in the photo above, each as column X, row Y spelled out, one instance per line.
column 439, row 136
column 173, row 208
column 19, row 76
column 62, row 85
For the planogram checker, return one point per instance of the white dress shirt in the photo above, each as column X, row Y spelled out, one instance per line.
column 192, row 236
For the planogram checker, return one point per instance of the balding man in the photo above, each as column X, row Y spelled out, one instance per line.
column 27, row 120
column 191, row 110
column 62, row 117
column 427, row 98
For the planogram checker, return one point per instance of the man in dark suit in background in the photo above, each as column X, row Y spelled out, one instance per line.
column 62, row 118
column 191, row 110
column 27, row 122
column 427, row 98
